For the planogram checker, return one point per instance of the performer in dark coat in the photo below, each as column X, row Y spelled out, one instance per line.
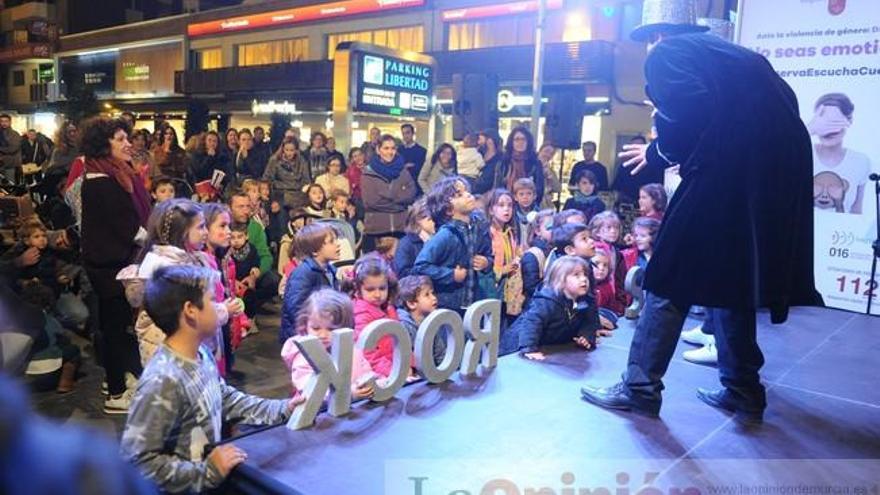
column 732, row 124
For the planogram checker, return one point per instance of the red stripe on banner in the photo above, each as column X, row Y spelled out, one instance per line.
column 301, row 14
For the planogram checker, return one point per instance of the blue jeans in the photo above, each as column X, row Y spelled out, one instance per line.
column 71, row 310
column 657, row 333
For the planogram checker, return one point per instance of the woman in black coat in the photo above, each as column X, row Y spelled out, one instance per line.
column 110, row 242
column 209, row 159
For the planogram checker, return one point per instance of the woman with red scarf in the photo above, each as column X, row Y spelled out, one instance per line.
column 115, row 207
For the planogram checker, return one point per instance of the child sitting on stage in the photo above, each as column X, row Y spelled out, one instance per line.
column 606, row 227
column 374, row 287
column 414, row 303
column 563, row 311
column 652, row 201
column 323, row 312
column 534, row 260
column 644, row 231
column 181, row 402
column 571, row 239
column 610, row 302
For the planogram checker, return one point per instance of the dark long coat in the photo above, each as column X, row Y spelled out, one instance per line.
column 738, row 233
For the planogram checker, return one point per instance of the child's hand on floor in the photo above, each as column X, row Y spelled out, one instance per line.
column 295, row 401
column 226, row 457
column 459, row 274
column 413, row 376
column 362, row 392
column 583, row 342
column 535, row 356
column 606, row 323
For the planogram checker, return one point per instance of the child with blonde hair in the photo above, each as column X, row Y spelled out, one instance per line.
column 324, row 311
column 563, row 311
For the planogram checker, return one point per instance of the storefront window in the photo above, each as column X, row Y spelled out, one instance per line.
column 404, row 38
column 273, row 52
column 209, row 58
column 495, row 32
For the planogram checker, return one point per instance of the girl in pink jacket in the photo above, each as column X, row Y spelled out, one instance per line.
column 324, row 311
column 375, row 288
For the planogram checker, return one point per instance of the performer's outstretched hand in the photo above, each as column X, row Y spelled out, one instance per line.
column 635, row 156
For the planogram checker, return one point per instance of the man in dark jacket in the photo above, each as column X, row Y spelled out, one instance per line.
column 412, row 152
column 10, row 150
column 35, row 149
column 745, row 198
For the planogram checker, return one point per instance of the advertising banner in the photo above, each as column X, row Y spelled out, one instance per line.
column 829, row 52
column 96, row 71
column 148, row 69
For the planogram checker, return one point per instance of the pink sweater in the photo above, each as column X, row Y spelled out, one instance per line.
column 382, row 357
column 301, row 371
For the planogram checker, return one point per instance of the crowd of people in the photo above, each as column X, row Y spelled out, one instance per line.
column 164, row 255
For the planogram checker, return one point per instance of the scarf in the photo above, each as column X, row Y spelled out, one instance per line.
column 582, row 198
column 241, row 254
column 127, row 179
column 517, row 169
column 388, row 171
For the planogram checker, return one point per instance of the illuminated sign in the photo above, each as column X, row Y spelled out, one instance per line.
column 297, row 15
column 393, row 86
column 135, row 72
column 497, row 10
column 284, row 107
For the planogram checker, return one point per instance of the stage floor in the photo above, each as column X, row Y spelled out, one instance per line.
column 525, row 426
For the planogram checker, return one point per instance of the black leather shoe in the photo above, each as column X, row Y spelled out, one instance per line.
column 722, row 399
column 617, row 397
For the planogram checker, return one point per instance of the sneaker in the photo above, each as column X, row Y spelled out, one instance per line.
column 131, row 382
column 118, row 404
column 708, row 355
column 698, row 310
column 696, row 336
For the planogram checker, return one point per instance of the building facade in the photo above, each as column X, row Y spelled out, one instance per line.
column 249, row 60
